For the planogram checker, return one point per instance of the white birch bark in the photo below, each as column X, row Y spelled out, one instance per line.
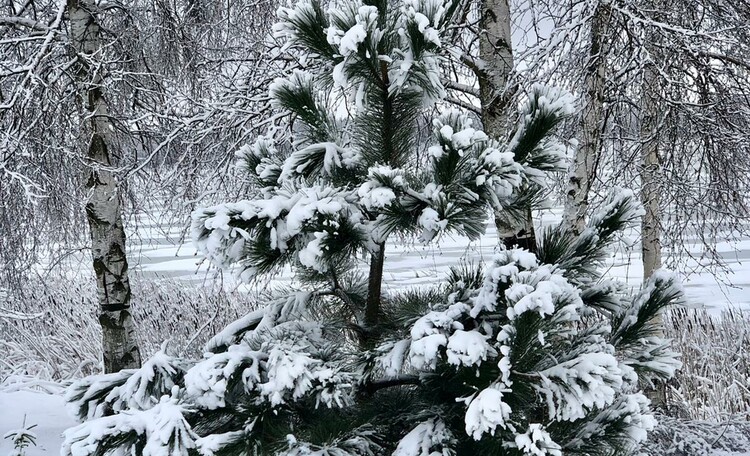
column 651, row 178
column 583, row 168
column 496, row 55
column 120, row 348
column 650, row 173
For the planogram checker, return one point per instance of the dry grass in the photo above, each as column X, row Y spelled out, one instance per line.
column 61, row 340
column 683, row 437
column 714, row 383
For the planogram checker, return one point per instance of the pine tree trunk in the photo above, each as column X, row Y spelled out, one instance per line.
column 102, row 207
column 374, row 292
column 583, row 168
column 496, row 54
column 517, row 232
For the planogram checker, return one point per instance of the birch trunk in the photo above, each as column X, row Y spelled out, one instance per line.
column 650, row 171
column 120, row 349
column 650, row 175
column 583, row 169
column 496, row 54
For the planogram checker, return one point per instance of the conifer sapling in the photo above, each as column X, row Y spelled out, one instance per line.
column 535, row 354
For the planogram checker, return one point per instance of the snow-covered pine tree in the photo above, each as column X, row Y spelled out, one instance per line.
column 534, row 355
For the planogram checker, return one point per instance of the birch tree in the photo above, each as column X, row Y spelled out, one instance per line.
column 498, row 92
column 691, row 72
column 120, row 348
column 583, row 167
column 690, row 59
column 650, row 171
column 495, row 71
column 516, row 227
column 123, row 103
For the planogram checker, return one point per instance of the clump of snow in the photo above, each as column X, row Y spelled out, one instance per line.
column 429, row 438
column 549, row 289
column 575, row 387
column 281, row 370
column 499, row 172
column 214, row 443
column 468, row 348
column 430, row 333
column 395, row 355
column 506, row 265
column 218, row 232
column 312, row 255
column 163, row 427
column 417, row 11
column 436, row 152
column 416, row 66
column 424, row 351
column 258, row 158
column 379, row 190
column 85, row 398
column 348, row 41
column 555, row 99
column 145, row 387
column 334, row 157
column 537, row 442
column 431, row 224
column 446, row 132
column 467, row 138
column 208, row 380
column 486, row 412
column 376, row 197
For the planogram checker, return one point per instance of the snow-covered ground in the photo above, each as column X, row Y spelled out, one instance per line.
column 46, row 411
column 408, row 265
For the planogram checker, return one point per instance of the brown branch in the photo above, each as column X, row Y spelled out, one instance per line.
column 464, row 105
column 400, row 380
column 724, row 58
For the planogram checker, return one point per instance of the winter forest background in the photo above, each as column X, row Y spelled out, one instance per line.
column 407, row 227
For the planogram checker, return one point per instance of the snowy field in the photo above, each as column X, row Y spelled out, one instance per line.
column 407, row 265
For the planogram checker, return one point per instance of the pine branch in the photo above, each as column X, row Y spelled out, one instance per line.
column 401, row 380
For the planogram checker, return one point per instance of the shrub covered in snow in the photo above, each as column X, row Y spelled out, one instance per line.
column 532, row 355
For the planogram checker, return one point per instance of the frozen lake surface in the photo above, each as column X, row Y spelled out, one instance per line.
column 409, row 264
